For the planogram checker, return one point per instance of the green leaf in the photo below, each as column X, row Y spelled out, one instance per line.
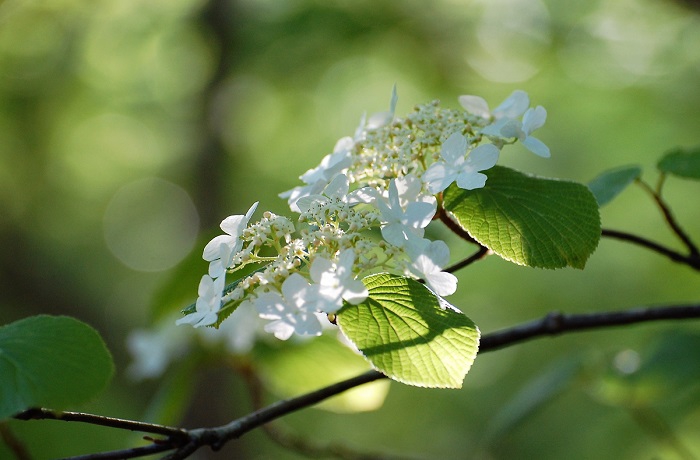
column 681, row 163
column 411, row 335
column 294, row 369
column 611, row 183
column 51, row 361
column 533, row 221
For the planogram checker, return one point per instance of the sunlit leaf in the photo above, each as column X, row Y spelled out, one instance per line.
column 294, row 369
column 50, row 361
column 529, row 220
column 409, row 334
column 611, row 183
column 681, row 163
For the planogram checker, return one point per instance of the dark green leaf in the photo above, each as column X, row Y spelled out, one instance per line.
column 529, row 220
column 52, row 361
column 681, row 163
column 611, row 183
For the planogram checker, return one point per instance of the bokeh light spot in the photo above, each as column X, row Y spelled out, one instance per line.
column 150, row 224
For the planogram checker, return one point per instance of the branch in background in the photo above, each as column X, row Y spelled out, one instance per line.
column 692, row 260
column 185, row 442
column 668, row 216
column 478, row 255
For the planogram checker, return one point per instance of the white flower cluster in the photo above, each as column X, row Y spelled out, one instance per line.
column 387, row 177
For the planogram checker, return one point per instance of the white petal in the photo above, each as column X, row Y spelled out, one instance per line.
column 442, row 283
column 536, row 146
column 419, row 215
column 338, row 187
column 319, row 266
column 355, row 292
column 454, row 148
column 394, row 234
column 534, row 118
column 514, row 106
column 212, row 250
column 294, row 286
column 471, row 181
column 280, row 329
column 436, row 177
column 475, row 105
column 439, row 252
column 394, row 100
column 483, row 157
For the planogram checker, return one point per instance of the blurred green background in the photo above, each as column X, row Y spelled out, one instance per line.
column 130, row 128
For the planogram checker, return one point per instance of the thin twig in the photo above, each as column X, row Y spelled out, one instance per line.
column 13, row 443
column 558, row 323
column 670, row 220
column 692, row 261
column 478, row 255
column 101, row 420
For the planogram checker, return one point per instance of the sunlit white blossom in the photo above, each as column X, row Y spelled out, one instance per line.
column 455, row 165
column 208, row 303
column 428, row 258
column 533, row 119
column 399, row 224
column 220, row 251
column 513, row 107
column 336, row 282
column 289, row 312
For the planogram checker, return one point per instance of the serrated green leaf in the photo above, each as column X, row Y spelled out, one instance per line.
column 53, row 361
column 611, row 183
column 681, row 163
column 533, row 221
column 411, row 335
column 294, row 369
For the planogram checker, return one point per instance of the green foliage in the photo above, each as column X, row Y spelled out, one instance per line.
column 410, row 334
column 51, row 361
column 612, row 182
column 294, row 369
column 529, row 220
column 681, row 163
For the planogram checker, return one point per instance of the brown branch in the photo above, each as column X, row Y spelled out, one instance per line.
column 692, row 260
column 478, row 255
column 669, row 218
column 185, row 442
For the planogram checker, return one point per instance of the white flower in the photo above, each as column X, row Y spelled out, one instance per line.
column 208, row 303
column 410, row 189
column 428, row 258
column 219, row 252
column 336, row 190
column 336, row 282
column 514, row 106
column 533, row 119
column 290, row 312
column 455, row 167
column 319, row 177
column 153, row 349
column 399, row 225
